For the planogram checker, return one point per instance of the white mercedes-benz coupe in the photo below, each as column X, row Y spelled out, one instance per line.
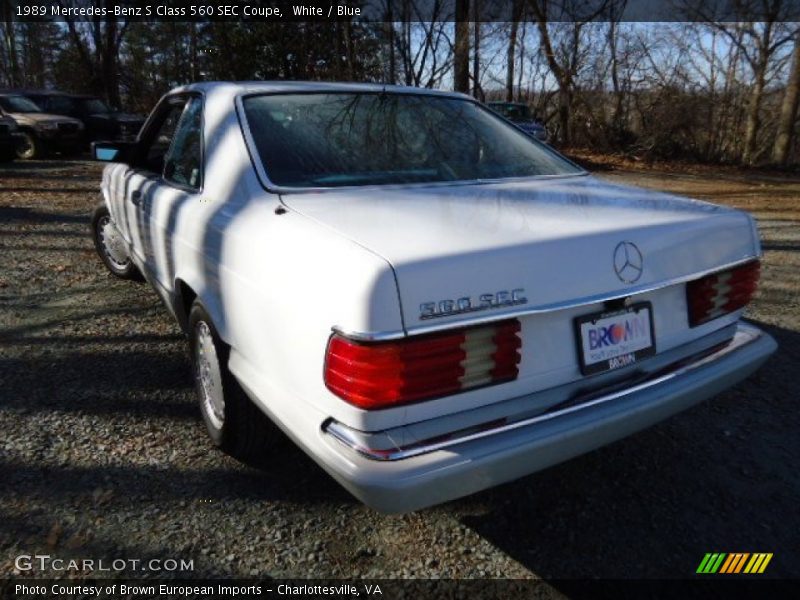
column 425, row 299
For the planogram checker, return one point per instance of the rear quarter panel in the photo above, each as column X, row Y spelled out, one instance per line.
column 274, row 284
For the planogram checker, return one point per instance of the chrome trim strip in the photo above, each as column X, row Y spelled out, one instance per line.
column 350, row 438
column 378, row 336
column 367, row 336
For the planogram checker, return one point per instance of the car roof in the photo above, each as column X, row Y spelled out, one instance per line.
column 255, row 87
column 501, row 103
column 25, row 92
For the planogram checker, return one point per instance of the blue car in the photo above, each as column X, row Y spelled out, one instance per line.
column 519, row 114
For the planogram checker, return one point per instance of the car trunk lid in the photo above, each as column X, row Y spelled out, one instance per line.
column 461, row 252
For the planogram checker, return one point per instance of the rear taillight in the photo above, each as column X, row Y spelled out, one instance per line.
column 715, row 295
column 374, row 375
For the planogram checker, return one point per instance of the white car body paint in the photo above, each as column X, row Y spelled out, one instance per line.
column 363, row 260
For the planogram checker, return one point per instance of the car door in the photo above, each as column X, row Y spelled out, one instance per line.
column 178, row 194
column 137, row 185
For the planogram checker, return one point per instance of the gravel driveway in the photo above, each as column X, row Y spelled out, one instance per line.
column 103, row 453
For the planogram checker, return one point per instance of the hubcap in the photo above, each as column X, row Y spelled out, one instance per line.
column 208, row 375
column 111, row 242
column 25, row 148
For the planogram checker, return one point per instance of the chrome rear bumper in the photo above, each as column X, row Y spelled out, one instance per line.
column 373, row 445
column 402, row 469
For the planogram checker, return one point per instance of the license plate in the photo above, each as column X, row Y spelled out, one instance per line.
column 612, row 340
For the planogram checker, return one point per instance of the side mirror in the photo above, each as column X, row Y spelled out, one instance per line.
column 121, row 152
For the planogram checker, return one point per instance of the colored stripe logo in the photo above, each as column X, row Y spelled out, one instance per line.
column 734, row 562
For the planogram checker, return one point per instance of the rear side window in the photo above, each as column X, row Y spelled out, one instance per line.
column 183, row 164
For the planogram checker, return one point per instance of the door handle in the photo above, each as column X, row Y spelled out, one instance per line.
column 136, row 197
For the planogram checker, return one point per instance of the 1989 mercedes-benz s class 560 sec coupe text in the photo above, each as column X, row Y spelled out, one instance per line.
column 425, row 299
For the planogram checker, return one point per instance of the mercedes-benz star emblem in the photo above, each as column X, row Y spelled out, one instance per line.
column 628, row 262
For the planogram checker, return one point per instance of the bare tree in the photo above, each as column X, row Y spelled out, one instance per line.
column 759, row 62
column 788, row 116
column 423, row 46
column 759, row 32
column 565, row 60
column 97, row 42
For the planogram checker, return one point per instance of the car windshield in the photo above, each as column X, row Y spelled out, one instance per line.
column 345, row 139
column 18, row 104
column 60, row 105
column 95, row 106
column 513, row 112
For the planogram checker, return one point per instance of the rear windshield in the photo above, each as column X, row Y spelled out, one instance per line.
column 345, row 139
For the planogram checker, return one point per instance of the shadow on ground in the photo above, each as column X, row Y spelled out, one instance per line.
column 707, row 480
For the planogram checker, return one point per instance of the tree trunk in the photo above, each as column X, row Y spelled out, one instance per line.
column 33, row 49
column 350, row 48
column 564, row 113
column 616, row 116
column 753, row 120
column 754, row 106
column 783, row 141
column 109, row 60
column 476, row 57
column 512, row 47
column 194, row 72
column 408, row 68
column 339, row 52
column 521, row 62
column 461, row 50
column 561, row 74
column 389, row 25
column 10, row 40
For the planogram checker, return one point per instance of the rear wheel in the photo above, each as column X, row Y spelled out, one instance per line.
column 233, row 422
column 110, row 247
column 29, row 146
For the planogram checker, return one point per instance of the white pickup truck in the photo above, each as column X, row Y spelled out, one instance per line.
column 426, row 300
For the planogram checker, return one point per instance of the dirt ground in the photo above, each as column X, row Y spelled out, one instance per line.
column 103, row 453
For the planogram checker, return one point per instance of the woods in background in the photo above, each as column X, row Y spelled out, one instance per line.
column 707, row 90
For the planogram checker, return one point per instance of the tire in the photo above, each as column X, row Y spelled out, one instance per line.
column 30, row 147
column 109, row 246
column 234, row 423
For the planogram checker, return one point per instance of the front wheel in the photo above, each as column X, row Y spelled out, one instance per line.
column 233, row 422
column 110, row 247
column 29, row 146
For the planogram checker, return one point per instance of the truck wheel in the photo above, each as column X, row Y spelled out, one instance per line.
column 29, row 147
column 109, row 245
column 234, row 423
